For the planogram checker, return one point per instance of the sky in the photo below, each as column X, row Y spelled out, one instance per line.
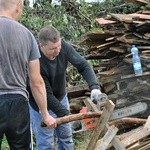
column 57, row 1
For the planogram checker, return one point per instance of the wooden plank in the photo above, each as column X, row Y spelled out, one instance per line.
column 140, row 16
column 146, row 57
column 103, row 143
column 111, row 38
column 138, row 35
column 133, row 75
column 77, row 91
column 138, row 135
column 142, row 27
column 90, row 105
column 115, row 31
column 143, row 145
column 101, row 123
column 103, row 21
column 106, row 44
column 147, row 124
column 98, row 35
column 147, row 35
column 144, row 12
column 112, row 71
column 146, row 147
column 119, row 49
column 121, row 17
column 128, row 134
column 118, row 144
column 109, row 87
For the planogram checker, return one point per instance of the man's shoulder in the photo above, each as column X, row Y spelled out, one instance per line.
column 11, row 22
column 65, row 43
column 66, row 46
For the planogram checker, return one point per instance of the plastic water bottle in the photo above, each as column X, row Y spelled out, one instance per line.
column 136, row 60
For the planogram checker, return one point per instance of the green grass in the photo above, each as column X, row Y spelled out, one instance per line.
column 4, row 144
column 80, row 141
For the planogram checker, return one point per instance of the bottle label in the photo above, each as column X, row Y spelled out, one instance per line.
column 137, row 68
column 137, row 65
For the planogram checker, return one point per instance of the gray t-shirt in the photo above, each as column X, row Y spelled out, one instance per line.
column 17, row 47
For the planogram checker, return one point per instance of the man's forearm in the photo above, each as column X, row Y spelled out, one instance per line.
column 39, row 94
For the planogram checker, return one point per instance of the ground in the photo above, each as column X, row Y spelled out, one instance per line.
column 80, row 140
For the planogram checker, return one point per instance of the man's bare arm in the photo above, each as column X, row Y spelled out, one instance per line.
column 39, row 92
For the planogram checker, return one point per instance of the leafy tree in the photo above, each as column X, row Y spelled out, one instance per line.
column 72, row 19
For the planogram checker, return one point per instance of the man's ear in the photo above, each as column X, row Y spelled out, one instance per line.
column 41, row 45
column 19, row 7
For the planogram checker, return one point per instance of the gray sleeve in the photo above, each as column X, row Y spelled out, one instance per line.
column 82, row 66
column 34, row 51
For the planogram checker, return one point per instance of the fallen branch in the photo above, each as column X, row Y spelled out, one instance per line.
column 124, row 123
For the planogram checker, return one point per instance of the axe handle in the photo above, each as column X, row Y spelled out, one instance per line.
column 74, row 117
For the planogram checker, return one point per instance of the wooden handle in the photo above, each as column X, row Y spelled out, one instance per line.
column 43, row 124
column 75, row 117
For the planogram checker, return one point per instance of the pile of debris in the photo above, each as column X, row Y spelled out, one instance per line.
column 111, row 48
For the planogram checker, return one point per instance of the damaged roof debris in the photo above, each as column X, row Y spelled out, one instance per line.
column 115, row 72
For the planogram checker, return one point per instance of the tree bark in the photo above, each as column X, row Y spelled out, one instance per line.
column 124, row 123
column 119, row 123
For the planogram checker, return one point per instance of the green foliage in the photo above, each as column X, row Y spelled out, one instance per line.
column 4, row 144
column 69, row 26
column 73, row 20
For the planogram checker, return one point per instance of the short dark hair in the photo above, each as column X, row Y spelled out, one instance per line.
column 48, row 33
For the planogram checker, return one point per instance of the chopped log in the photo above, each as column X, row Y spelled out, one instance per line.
column 123, row 122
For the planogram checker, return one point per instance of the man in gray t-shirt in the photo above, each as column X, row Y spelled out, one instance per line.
column 19, row 58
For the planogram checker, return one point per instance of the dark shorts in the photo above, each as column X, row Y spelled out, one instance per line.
column 15, row 121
